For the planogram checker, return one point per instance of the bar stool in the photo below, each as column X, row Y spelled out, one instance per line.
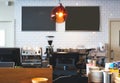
column 39, row 80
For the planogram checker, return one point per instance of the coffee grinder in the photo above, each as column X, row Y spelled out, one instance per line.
column 49, row 49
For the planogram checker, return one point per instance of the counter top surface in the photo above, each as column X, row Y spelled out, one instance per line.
column 24, row 75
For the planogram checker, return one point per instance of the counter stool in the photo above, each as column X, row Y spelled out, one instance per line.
column 39, row 80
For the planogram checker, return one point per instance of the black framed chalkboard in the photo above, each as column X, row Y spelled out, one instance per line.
column 35, row 18
column 83, row 18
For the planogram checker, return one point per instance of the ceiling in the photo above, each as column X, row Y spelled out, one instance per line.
column 6, row 0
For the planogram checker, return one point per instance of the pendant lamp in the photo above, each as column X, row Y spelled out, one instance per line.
column 59, row 13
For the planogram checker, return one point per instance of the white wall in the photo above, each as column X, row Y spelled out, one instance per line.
column 108, row 9
column 6, row 12
column 7, row 22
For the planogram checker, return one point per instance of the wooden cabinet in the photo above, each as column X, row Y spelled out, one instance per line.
column 24, row 75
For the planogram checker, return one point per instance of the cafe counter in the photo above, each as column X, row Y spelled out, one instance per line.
column 24, row 75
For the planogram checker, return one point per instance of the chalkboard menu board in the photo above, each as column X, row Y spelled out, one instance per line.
column 83, row 18
column 35, row 18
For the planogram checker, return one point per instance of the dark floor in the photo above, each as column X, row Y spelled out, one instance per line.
column 61, row 76
column 70, row 79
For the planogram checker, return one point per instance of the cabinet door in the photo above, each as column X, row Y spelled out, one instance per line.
column 115, row 39
column 7, row 35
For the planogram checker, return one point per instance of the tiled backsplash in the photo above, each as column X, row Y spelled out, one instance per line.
column 108, row 9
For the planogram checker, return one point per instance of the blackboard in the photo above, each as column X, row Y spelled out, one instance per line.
column 83, row 18
column 35, row 18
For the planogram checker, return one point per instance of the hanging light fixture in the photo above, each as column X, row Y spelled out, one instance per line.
column 59, row 13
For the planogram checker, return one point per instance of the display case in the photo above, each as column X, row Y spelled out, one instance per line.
column 31, row 57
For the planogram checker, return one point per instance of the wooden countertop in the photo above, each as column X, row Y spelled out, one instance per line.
column 24, row 75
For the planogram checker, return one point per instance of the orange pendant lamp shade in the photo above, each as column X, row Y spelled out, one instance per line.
column 59, row 14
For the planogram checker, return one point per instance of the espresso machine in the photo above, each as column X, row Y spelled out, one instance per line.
column 49, row 49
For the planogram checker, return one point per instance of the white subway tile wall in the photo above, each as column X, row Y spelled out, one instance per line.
column 108, row 9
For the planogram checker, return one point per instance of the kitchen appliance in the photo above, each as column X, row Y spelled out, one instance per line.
column 49, row 49
column 31, row 57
